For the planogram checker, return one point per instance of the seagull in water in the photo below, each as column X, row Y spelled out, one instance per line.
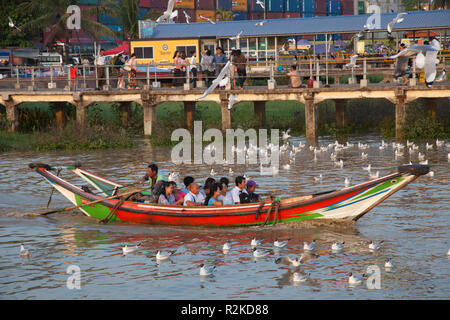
column 226, row 246
column 164, row 256
column 297, row 277
column 286, row 134
column 216, row 81
column 398, row 19
column 126, row 249
column 336, row 246
column 374, row 245
column 232, row 100
column 206, row 270
column 374, row 176
column 355, row 278
column 367, row 168
column 23, row 251
column 296, row 262
column 280, row 244
column 388, row 263
column 255, row 242
column 260, row 254
column 309, row 246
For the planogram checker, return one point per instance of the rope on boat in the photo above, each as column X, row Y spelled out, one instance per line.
column 277, row 206
column 112, row 212
column 258, row 211
column 53, row 188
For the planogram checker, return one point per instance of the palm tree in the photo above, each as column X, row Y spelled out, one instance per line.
column 439, row 4
column 52, row 16
column 223, row 15
column 127, row 12
column 152, row 15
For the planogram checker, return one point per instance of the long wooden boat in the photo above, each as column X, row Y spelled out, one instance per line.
column 349, row 203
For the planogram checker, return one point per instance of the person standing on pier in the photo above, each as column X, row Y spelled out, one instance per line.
column 207, row 66
column 240, row 62
column 402, row 65
column 219, row 60
column 295, row 81
column 193, row 68
column 176, row 69
column 100, row 65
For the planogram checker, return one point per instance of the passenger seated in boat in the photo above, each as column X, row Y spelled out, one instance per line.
column 250, row 196
column 207, row 187
column 188, row 180
column 166, row 196
column 238, row 189
column 225, row 195
column 194, row 198
column 179, row 196
column 212, row 199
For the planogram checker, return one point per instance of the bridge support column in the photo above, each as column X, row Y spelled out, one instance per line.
column 311, row 119
column 81, row 110
column 340, row 105
column 400, row 116
column 12, row 114
column 60, row 114
column 260, row 112
column 430, row 106
column 149, row 117
column 226, row 115
column 124, row 111
column 189, row 115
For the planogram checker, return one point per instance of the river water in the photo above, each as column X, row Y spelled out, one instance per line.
column 414, row 224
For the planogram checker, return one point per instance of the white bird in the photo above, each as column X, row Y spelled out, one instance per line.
column 216, row 81
column 398, row 153
column 231, row 172
column 388, row 263
column 166, row 16
column 430, row 174
column 286, row 134
column 398, row 19
column 224, row 82
column 260, row 3
column 364, row 155
column 429, row 146
column 12, row 25
column 336, row 246
column 286, row 166
column 424, row 162
column 206, row 18
column 375, row 245
column 318, row 179
column 226, row 246
column 375, row 176
column 439, row 143
column 421, row 156
column 126, row 249
column 280, row 244
column 352, row 63
column 206, row 270
column 260, row 24
column 448, row 252
column 163, row 256
column 260, row 254
column 441, row 77
column 255, row 242
column 296, row 262
column 212, row 173
column 23, row 251
column 431, row 51
column 309, row 246
column 355, row 278
column 346, row 182
column 188, row 17
column 173, row 176
column 367, row 168
column 297, row 277
column 339, row 163
column 238, row 36
column 232, row 100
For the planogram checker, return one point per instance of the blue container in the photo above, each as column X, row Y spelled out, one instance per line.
column 308, row 8
column 275, row 5
column 105, row 19
column 253, row 7
column 333, row 7
column 225, row 5
column 239, row 15
column 115, row 28
column 81, row 2
column 293, row 5
column 143, row 12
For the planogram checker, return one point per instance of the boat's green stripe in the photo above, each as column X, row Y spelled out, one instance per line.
column 97, row 211
column 384, row 185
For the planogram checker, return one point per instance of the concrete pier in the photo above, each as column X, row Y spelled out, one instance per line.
column 340, row 114
column 260, row 112
column 189, row 115
column 311, row 119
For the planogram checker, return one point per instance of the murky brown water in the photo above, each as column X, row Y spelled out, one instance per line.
column 414, row 224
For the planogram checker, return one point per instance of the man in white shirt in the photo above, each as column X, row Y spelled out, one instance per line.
column 240, row 187
column 100, row 64
column 194, row 198
column 193, row 68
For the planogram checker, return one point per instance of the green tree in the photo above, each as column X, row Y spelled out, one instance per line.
column 8, row 36
column 127, row 12
column 51, row 16
column 223, row 15
column 413, row 5
column 439, row 4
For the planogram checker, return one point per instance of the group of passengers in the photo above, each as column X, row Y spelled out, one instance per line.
column 212, row 193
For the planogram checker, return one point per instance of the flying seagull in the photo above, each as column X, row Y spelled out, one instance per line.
column 352, row 63
column 216, row 81
column 399, row 18
column 261, row 4
column 188, row 17
column 232, row 100
column 431, row 51
column 237, row 37
column 205, row 18
column 441, row 77
column 12, row 25
column 260, row 24
column 169, row 14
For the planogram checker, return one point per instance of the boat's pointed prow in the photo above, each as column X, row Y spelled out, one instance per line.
column 415, row 169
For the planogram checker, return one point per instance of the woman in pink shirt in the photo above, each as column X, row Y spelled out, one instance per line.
column 176, row 69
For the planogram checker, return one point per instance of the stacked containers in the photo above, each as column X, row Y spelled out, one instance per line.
column 157, row 4
column 240, row 15
column 142, row 13
column 333, row 8
column 320, row 8
column 145, row 3
column 208, row 5
column 204, row 8
column 274, row 15
column 211, row 14
column 88, row 2
column 224, row 5
column 288, row 15
column 293, row 5
column 239, row 8
column 254, row 7
column 184, row 4
column 308, row 8
column 347, row 7
column 275, row 6
column 181, row 18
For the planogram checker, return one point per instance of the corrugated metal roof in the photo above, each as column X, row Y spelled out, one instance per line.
column 438, row 19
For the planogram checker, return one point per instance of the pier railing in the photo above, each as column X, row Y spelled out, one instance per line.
column 156, row 75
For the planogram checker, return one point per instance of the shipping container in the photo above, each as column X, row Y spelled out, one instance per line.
column 361, row 7
column 225, row 5
column 320, row 8
column 145, row 3
column 160, row 4
column 93, row 17
column 205, row 4
column 276, row 5
column 347, row 7
column 239, row 5
column 290, row 15
column 252, row 6
column 293, row 5
column 308, row 8
column 274, row 15
column 333, row 7
column 181, row 18
column 185, row 4
column 255, row 15
column 205, row 13
column 142, row 13
column 88, row 2
column 239, row 15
